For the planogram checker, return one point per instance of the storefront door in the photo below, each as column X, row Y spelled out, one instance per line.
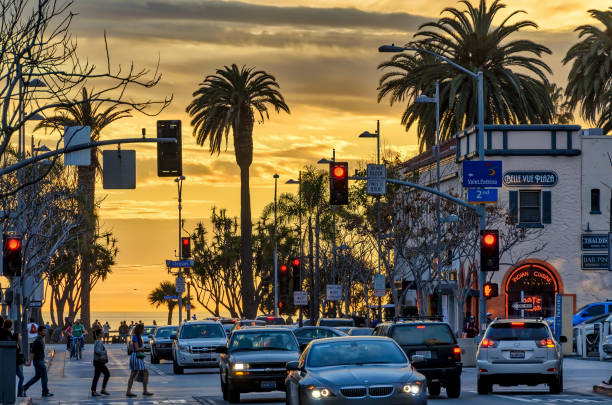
column 535, row 284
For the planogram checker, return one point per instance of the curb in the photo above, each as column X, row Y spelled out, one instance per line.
column 603, row 390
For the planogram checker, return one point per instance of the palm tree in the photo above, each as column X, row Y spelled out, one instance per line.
column 157, row 298
column 515, row 77
column 230, row 100
column 589, row 82
column 86, row 113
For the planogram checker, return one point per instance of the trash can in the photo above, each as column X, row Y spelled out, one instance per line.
column 8, row 369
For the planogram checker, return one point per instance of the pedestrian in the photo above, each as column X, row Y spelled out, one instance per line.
column 32, row 330
column 20, row 360
column 37, row 357
column 68, row 333
column 154, row 323
column 137, row 364
column 5, row 333
column 106, row 329
column 99, row 362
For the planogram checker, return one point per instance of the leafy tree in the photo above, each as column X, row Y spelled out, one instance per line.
column 230, row 99
column 515, row 77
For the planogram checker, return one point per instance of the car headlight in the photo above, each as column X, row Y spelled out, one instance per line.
column 319, row 393
column 240, row 366
column 412, row 388
column 183, row 348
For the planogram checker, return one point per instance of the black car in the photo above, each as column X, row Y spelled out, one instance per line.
column 161, row 343
column 335, row 322
column 306, row 334
column 255, row 360
column 271, row 320
column 433, row 351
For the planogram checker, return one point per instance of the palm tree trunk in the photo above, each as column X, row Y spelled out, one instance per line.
column 311, row 266
column 170, row 309
column 87, row 183
column 243, row 145
column 317, row 276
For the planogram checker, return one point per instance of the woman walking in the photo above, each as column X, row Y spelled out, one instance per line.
column 99, row 362
column 137, row 364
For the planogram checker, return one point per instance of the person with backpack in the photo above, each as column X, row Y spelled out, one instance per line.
column 137, row 365
column 32, row 330
column 99, row 362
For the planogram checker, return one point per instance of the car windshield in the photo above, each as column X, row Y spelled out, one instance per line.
column 263, row 340
column 165, row 332
column 317, row 333
column 361, row 332
column 597, row 318
column 336, row 322
column 434, row 334
column 343, row 352
column 252, row 323
column 202, row 331
column 518, row 331
column 149, row 330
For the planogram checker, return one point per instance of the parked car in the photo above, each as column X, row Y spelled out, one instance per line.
column 521, row 351
column 307, row 334
column 271, row 320
column 161, row 343
column 437, row 350
column 587, row 312
column 360, row 331
column 344, row 329
column 195, row 345
column 354, row 370
column 587, row 328
column 334, row 322
column 254, row 360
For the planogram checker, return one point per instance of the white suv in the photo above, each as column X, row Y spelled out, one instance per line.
column 195, row 345
column 520, row 351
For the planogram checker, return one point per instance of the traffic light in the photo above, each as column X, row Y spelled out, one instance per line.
column 283, row 280
column 295, row 273
column 185, row 247
column 169, row 155
column 338, row 183
column 489, row 250
column 11, row 255
column 490, row 290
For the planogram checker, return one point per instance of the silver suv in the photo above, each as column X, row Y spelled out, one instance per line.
column 195, row 345
column 519, row 351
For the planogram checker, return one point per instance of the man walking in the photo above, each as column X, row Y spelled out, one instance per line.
column 37, row 356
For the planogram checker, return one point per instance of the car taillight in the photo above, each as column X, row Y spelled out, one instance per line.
column 488, row 343
column 546, row 343
column 457, row 353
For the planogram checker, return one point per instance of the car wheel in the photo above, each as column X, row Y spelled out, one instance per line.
column 288, row 395
column 233, row 395
column 453, row 387
column 176, row 368
column 556, row 386
column 484, row 387
column 433, row 388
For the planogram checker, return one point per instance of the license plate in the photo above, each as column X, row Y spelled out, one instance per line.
column 517, row 354
column 266, row 385
column 424, row 353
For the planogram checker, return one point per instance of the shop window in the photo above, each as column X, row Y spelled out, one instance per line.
column 595, row 208
column 529, row 207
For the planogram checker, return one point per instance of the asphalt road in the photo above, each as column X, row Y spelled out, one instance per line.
column 70, row 381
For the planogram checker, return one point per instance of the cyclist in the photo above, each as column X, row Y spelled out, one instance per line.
column 78, row 337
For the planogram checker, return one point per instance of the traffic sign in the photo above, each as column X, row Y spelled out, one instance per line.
column 179, row 263
column 377, row 180
column 300, row 298
column 482, row 173
column 380, row 288
column 180, row 284
column 35, row 304
column 334, row 292
column 522, row 305
column 482, row 195
column 171, row 297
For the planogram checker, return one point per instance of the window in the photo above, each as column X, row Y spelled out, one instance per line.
column 595, row 209
column 529, row 207
column 595, row 310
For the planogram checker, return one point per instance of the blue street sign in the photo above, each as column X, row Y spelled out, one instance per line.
column 482, row 195
column 482, row 173
column 179, row 263
column 558, row 309
column 171, row 297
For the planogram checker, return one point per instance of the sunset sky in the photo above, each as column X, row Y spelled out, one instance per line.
column 324, row 56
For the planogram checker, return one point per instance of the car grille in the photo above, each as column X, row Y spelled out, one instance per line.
column 203, row 349
column 268, row 365
column 353, row 392
column 380, row 391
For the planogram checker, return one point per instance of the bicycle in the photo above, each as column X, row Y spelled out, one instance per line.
column 76, row 350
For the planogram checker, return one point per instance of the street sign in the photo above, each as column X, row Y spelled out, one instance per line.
column 482, row 195
column 380, row 288
column 610, row 251
column 595, row 261
column 334, row 292
column 522, row 305
column 482, row 173
column 558, row 310
column 119, row 169
column 300, row 298
column 35, row 304
column 594, row 241
column 171, row 297
column 377, row 180
column 179, row 263
column 73, row 136
column 180, row 285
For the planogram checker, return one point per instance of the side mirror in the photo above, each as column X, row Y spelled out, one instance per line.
column 173, row 337
column 221, row 349
column 293, row 366
column 563, row 339
column 417, row 358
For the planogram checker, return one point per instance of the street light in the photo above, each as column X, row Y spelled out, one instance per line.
column 179, row 185
column 276, row 176
column 299, row 183
column 478, row 76
column 188, row 282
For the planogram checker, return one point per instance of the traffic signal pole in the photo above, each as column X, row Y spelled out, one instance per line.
column 275, row 249
column 179, row 183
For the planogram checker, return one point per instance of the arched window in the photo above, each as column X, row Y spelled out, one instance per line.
column 595, row 208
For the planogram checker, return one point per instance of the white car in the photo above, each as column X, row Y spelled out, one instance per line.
column 149, row 331
column 195, row 345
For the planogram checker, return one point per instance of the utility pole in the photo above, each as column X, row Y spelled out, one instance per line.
column 179, row 183
column 275, row 248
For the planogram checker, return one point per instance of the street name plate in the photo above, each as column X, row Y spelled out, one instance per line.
column 380, row 289
column 171, row 297
column 377, row 180
column 522, row 305
column 334, row 292
column 300, row 298
column 179, row 263
column 482, row 173
column 610, row 251
column 180, row 284
column 482, row 195
column 35, row 304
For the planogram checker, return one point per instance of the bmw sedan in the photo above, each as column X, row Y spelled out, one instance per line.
column 352, row 370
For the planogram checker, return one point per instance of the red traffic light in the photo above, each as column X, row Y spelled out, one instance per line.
column 338, row 172
column 13, row 244
column 283, row 268
column 185, row 241
column 488, row 239
column 296, row 262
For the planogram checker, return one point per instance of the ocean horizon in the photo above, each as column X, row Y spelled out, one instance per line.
column 114, row 318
